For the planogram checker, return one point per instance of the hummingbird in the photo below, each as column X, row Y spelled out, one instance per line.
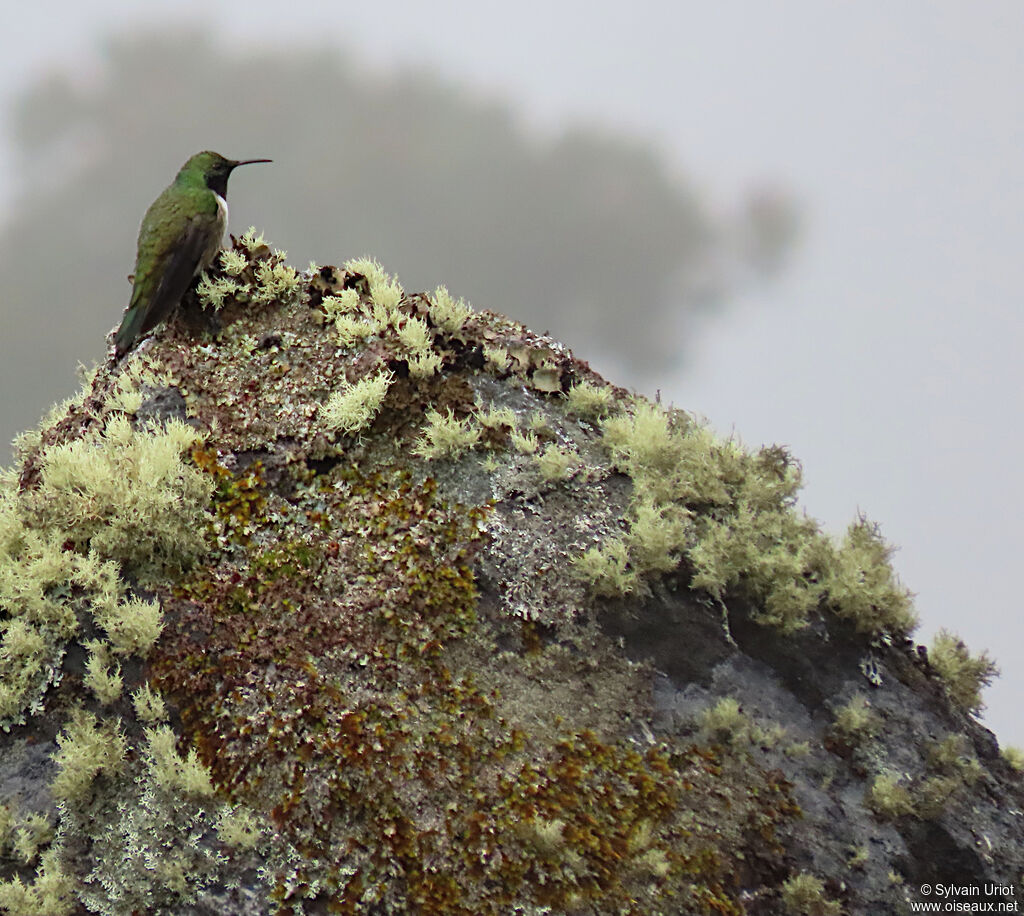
column 179, row 237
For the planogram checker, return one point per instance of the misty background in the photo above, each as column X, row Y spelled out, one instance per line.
column 799, row 220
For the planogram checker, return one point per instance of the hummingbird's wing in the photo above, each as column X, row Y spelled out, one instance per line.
column 161, row 280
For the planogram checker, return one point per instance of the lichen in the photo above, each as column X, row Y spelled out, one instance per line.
column 964, row 675
column 364, row 658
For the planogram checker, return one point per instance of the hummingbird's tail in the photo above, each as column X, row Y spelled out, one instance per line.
column 128, row 333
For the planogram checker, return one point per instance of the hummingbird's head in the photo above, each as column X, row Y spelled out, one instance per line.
column 213, row 169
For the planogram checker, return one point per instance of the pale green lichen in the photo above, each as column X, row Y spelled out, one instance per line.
column 355, row 406
column 386, row 294
column 731, row 514
column 51, row 894
column 425, row 364
column 804, row 895
column 495, row 417
column 369, row 268
column 657, row 535
column 125, row 493
column 1014, row 756
column 102, row 676
column 415, row 335
column 132, row 626
column 889, row 796
column 175, row 774
column 856, row 721
column 725, row 722
column 490, row 464
column 252, row 242
column 213, row 292
column 607, row 568
column 34, row 831
column 861, row 583
column 233, row 262
column 859, row 857
column 964, row 675
column 86, row 748
column 590, row 401
column 557, row 464
column 41, row 584
column 341, row 304
column 952, row 756
column 352, row 329
column 448, row 313
column 275, row 281
column 527, row 443
column 445, row 436
column 239, row 828
column 149, row 705
column 498, row 357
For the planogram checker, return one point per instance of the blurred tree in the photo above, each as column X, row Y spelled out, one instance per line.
column 586, row 234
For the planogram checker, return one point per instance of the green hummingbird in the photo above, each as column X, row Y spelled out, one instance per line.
column 179, row 237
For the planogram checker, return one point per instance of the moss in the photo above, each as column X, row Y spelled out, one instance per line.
column 33, row 832
column 425, row 364
column 172, row 772
column 730, row 514
column 964, row 675
column 414, row 335
column 498, row 357
column 607, row 568
column 952, row 756
column 213, row 292
column 149, row 705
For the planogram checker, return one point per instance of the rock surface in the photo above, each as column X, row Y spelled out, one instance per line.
column 373, row 604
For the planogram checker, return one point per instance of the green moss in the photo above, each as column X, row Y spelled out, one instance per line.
column 607, row 568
